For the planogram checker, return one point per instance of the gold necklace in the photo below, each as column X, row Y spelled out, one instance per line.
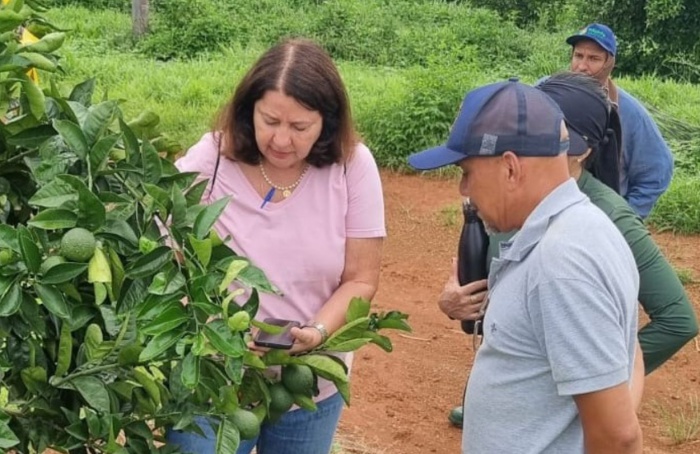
column 286, row 190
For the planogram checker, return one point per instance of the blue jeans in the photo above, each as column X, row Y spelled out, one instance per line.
column 296, row 432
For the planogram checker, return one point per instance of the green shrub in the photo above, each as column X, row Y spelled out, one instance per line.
column 421, row 116
column 678, row 209
column 186, row 28
column 121, row 5
column 654, row 35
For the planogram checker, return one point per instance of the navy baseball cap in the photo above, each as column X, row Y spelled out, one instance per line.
column 495, row 118
column 601, row 34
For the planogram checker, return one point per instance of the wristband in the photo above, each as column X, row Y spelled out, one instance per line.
column 321, row 328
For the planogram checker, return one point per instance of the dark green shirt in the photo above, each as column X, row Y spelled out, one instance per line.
column 672, row 319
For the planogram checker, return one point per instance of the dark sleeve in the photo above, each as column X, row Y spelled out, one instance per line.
column 672, row 319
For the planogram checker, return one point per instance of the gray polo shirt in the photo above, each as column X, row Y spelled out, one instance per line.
column 561, row 321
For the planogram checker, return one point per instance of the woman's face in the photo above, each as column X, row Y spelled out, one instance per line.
column 285, row 131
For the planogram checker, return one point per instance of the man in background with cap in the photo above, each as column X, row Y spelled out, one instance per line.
column 558, row 348
column 647, row 162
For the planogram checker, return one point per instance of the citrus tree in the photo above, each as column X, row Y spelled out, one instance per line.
column 122, row 312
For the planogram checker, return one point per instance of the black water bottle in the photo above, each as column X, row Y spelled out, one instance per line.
column 471, row 255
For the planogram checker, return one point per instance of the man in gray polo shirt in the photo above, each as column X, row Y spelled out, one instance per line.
column 553, row 372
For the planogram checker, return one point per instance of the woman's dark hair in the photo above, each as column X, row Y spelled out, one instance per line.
column 299, row 68
column 589, row 112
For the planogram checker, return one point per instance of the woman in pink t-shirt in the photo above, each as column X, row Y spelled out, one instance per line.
column 306, row 207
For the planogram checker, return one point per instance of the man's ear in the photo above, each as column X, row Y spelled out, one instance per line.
column 512, row 168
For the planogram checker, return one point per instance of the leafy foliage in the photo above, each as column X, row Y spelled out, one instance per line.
column 152, row 329
column 122, row 5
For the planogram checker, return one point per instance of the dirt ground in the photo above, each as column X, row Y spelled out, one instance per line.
column 400, row 400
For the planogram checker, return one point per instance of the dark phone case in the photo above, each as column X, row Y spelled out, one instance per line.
column 283, row 340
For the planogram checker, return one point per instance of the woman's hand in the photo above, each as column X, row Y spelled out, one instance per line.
column 462, row 302
column 305, row 339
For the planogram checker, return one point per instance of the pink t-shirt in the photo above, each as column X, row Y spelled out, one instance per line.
column 299, row 242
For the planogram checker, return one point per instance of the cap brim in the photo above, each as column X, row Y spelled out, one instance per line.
column 573, row 39
column 435, row 158
column 577, row 146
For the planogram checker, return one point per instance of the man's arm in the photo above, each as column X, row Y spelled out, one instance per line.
column 648, row 160
column 609, row 421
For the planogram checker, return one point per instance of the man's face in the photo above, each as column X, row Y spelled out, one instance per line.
column 481, row 183
column 589, row 58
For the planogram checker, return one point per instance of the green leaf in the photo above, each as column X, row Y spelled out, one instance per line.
column 118, row 274
column 100, row 151
column 47, row 44
column 98, row 268
column 98, row 120
column 8, row 238
column 35, row 97
column 227, row 437
column 202, row 248
column 52, row 299
column 194, row 194
column 123, row 388
column 73, row 136
column 152, row 305
column 382, row 341
column 394, row 323
column 325, row 366
column 91, row 211
column 358, row 307
column 152, row 169
column 33, row 137
column 250, row 359
column 100, row 291
column 168, row 320
column 54, row 194
column 30, row 251
column 234, row 370
column 93, row 391
column 167, row 283
column 53, row 219
column 8, row 438
column 160, row 195
column 63, row 272
column 82, row 93
column 93, row 341
column 10, row 296
column 190, row 371
column 131, row 143
column 207, row 217
column 305, row 402
column 179, row 210
column 224, row 340
column 232, row 272
column 251, row 306
column 351, row 344
column 121, row 230
column 34, row 378
column 344, row 390
column 159, row 344
column 9, row 20
column 65, row 350
column 254, row 277
column 347, row 332
column 150, row 263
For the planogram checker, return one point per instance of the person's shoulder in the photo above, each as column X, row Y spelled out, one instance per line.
column 630, row 105
column 200, row 156
column 583, row 226
column 361, row 157
column 602, row 196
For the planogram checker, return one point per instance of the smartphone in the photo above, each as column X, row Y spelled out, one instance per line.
column 283, row 340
